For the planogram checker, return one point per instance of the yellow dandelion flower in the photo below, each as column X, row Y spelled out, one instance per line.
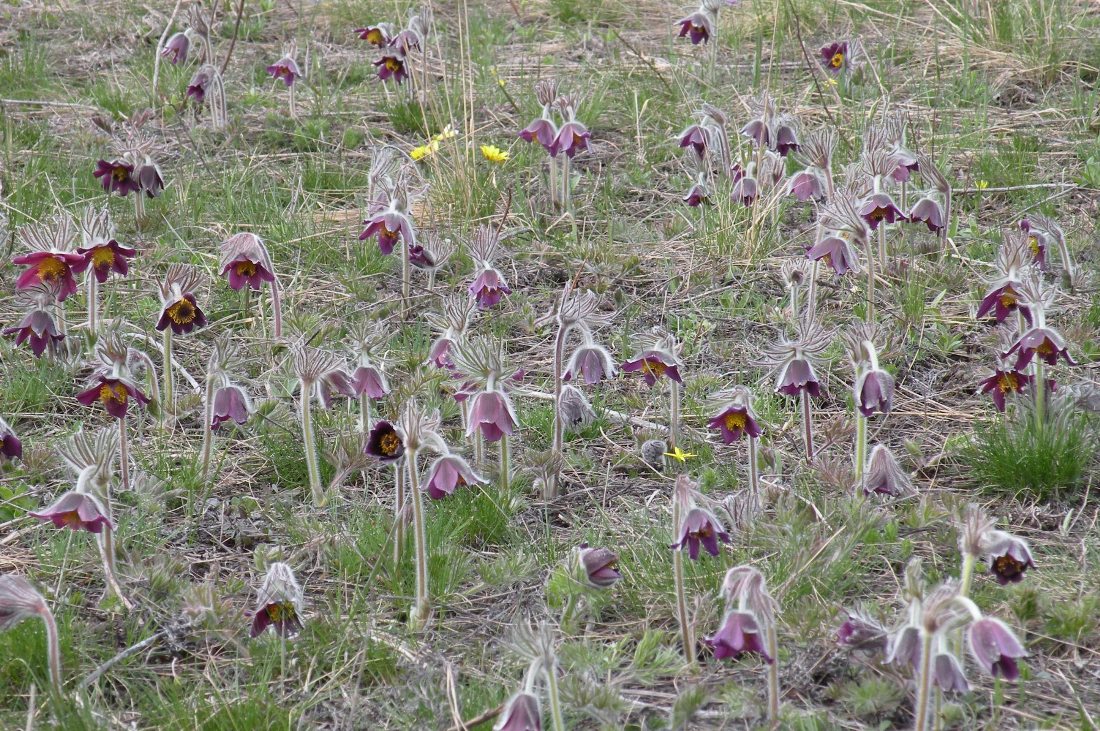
column 419, row 153
column 680, row 455
column 492, row 153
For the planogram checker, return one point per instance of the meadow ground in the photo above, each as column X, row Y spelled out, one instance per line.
column 1003, row 96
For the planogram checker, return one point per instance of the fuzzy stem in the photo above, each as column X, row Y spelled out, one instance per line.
column 93, row 301
column 207, row 426
column 861, row 446
column 557, row 719
column 883, row 257
column 870, row 309
column 277, row 308
column 686, row 638
column 53, row 649
column 794, row 301
column 566, row 187
column 310, row 444
column 479, row 448
column 559, row 425
column 924, row 683
column 1040, row 394
column 567, row 613
column 966, row 574
column 807, row 426
column 673, row 414
column 553, row 181
column 420, row 542
column 773, row 675
column 754, row 470
column 406, row 276
column 811, row 294
column 364, row 413
column 168, row 406
column 399, row 512
column 946, row 216
column 505, row 463
column 123, row 455
column 293, row 110
column 139, row 209
column 106, row 544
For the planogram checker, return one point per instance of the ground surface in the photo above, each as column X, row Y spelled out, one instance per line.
column 1004, row 96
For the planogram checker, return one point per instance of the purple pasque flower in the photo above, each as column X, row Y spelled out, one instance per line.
column 392, row 65
column 591, row 362
column 384, row 443
column 407, row 40
column 746, row 189
column 907, row 163
column 196, row 89
column 10, row 445
column 76, row 511
column 807, row 184
column 448, row 472
column 113, row 393
column 389, row 224
column 834, row 57
column 491, row 413
column 861, row 632
column 1003, row 300
column 286, row 68
column 450, row 324
column 175, row 50
column 246, row 262
column 1039, row 239
column 38, row 327
column 653, row 364
column 521, row 713
column 904, row 646
column 837, row 252
column 53, row 268
column 1044, row 342
column 699, row 26
column 333, row 382
column 149, row 179
column 106, row 257
column 880, row 208
column 488, row 287
column 929, row 212
column 947, row 673
column 542, row 130
column 1009, row 556
column 599, row 566
column 230, row 402
column 798, row 375
column 439, row 353
column 884, row 476
column 736, row 418
column 786, row 138
column 700, row 527
column 740, row 633
column 874, row 392
column 695, row 137
column 278, row 603
column 1002, row 383
column 699, row 193
column 369, row 380
column 183, row 315
column 995, row 647
column 572, row 137
column 117, row 176
column 376, row 35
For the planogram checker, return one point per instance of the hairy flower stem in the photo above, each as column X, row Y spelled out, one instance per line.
column 479, row 448
column 406, row 276
column 1040, row 395
column 557, row 447
column 106, row 543
column 794, row 301
column 557, row 719
column 946, row 216
column 399, row 511
column 553, row 182
column 811, row 293
column 966, row 574
column 364, row 413
column 754, row 470
column 313, row 467
column 807, row 426
column 123, row 455
column 168, row 407
column 93, row 302
column 208, row 426
column 883, row 257
column 773, row 676
column 924, row 683
column 277, row 309
column 53, row 650
column 566, row 186
column 869, row 315
column 505, row 463
column 686, row 637
column 139, row 210
column 673, row 414
column 420, row 543
column 861, row 446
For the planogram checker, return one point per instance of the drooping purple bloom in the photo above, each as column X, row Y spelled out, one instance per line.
column 389, row 226
column 51, row 268
column 599, row 566
column 880, row 208
column 884, row 476
column 758, row 131
column 695, row 137
column 448, row 472
column 740, row 633
column 278, row 604
column 248, row 271
column 874, row 392
column 230, row 402
column 197, row 88
column 522, row 713
column 114, row 394
column 1044, row 342
column 837, row 253
column 698, row 26
column 653, row 364
column 38, row 329
column 733, row 421
column 798, row 375
column 369, row 380
column 1037, row 241
column 907, row 163
column 929, row 212
column 439, row 353
column 786, row 138
column 492, row 414
column 592, row 362
column 745, row 191
column 10, row 445
column 947, row 673
column 488, row 287
column 286, row 68
column 543, row 131
column 76, row 511
column 1002, row 383
column 336, row 382
column 376, row 35
column 806, row 184
column 117, row 176
column 175, row 50
column 384, row 443
column 1009, row 557
column 904, row 647
column 700, row 527
column 392, row 66
column 149, row 179
column 572, row 137
column 995, row 648
column 697, row 195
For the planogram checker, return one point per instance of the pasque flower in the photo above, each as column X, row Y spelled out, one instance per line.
column 448, row 472
column 38, row 328
column 450, row 324
column 700, row 527
column 245, row 261
column 807, row 184
column 77, row 511
column 1009, row 556
column 488, row 286
column 179, row 308
column 10, row 445
column 695, row 137
column 862, row 632
column 521, row 713
column 734, row 420
column 834, row 57
column 104, row 256
column 995, row 648
column 492, row 413
column 928, row 211
column 51, row 261
column 599, row 566
column 1043, row 342
column 389, row 223
column 376, row 35
column 884, row 475
column 175, row 50
column 874, row 391
column 1003, row 382
column 837, row 252
column 113, row 393
column 739, row 634
column 286, row 68
column 879, row 208
column 391, row 65
column 117, row 176
column 656, row 361
column 278, row 603
column 542, row 130
column 699, row 26
column 590, row 361
column 384, row 443
column 947, row 672
column 230, row 402
column 18, row 601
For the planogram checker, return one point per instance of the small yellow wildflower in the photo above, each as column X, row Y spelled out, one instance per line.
column 448, row 133
column 419, row 153
column 492, row 153
column 982, row 184
column 680, row 455
column 831, row 82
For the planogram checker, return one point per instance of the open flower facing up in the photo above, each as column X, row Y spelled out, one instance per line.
column 179, row 308
column 384, row 443
column 278, row 603
column 102, row 253
column 117, row 176
column 246, row 262
column 739, row 634
column 10, row 445
column 488, row 286
column 521, row 713
column 77, row 511
column 655, row 361
column 493, row 154
column 995, row 648
column 175, row 50
column 834, row 57
column 391, row 65
column 377, row 35
column 38, row 328
column 884, row 475
column 1004, row 292
column 736, row 418
column 599, row 566
column 448, row 472
column 51, row 261
column 700, row 527
column 286, row 68
column 1002, row 383
column 230, row 402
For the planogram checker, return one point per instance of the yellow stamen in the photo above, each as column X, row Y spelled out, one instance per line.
column 735, row 421
column 389, row 444
column 71, row 518
column 374, row 36
column 1045, row 348
column 183, row 312
column 654, row 367
column 281, row 612
column 102, row 257
column 245, row 268
column 120, row 174
column 113, row 392
column 1008, row 382
column 393, row 64
column 837, row 60
column 51, row 270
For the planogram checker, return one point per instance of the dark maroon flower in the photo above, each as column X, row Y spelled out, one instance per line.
column 407, row 40
column 543, row 131
column 389, row 226
column 107, row 257
column 745, row 190
column 488, row 288
column 447, row 473
column 837, row 253
column 286, row 68
column 592, row 362
column 183, row 315
column 522, row 713
column 76, row 511
column 245, row 271
column 279, row 603
column 1009, row 557
column 695, row 137
column 197, row 88
column 1002, row 383
column 175, row 50
column 384, row 443
column 653, row 364
column 51, row 268
column 10, row 445
column 37, row 328
column 834, row 57
column 698, row 26
column 117, row 176
column 149, row 179
column 492, row 414
column 1043, row 342
column 114, row 394
column 698, row 195
column 798, row 375
column 376, row 35
column 995, row 648
column 879, row 208
column 806, row 184
column 929, row 212
column 282, row 616
column 700, row 527
column 420, row 257
column 1037, row 241
column 230, row 402
column 947, row 673
column 874, row 392
column 786, row 138
column 599, row 566
column 740, row 633
column 757, row 130
column 733, row 421
column 392, row 66
column 1003, row 300
column 572, row 137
